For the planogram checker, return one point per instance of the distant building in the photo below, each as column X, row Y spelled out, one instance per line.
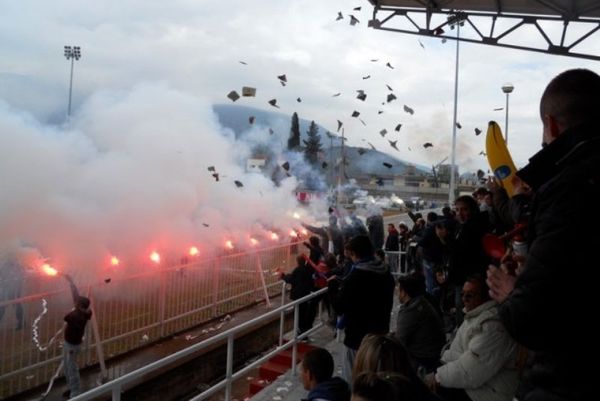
column 444, row 173
column 255, row 165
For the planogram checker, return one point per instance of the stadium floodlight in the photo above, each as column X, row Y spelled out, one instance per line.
column 72, row 53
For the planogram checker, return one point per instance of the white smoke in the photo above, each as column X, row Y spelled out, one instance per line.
column 128, row 175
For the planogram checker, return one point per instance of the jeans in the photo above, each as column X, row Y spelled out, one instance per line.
column 347, row 364
column 70, row 367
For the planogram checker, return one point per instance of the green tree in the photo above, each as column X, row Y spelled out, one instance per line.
column 313, row 144
column 294, row 139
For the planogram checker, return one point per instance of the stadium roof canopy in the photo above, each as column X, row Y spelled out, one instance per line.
column 563, row 27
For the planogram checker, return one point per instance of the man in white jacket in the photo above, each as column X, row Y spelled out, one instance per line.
column 480, row 364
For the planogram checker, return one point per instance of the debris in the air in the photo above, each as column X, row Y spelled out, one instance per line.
column 353, row 20
column 216, row 176
column 398, row 127
column 251, row 119
column 324, row 164
column 248, row 91
column 339, row 16
column 286, row 166
column 374, row 60
column 444, row 40
column 336, row 95
column 362, row 121
column 409, row 149
column 361, row 95
column 391, row 97
column 427, row 145
column 388, row 165
column 482, row 153
column 379, row 182
column 499, row 108
column 371, row 145
column 273, row 102
column 243, row 62
column 458, row 125
column 339, row 125
column 233, row 95
column 205, row 225
column 356, row 8
column 238, row 184
column 211, row 168
column 271, row 132
column 393, row 144
column 299, row 100
column 379, row 111
column 107, row 280
column 409, row 110
column 282, row 78
column 477, row 131
column 383, row 132
column 355, row 113
column 361, row 151
column 389, row 65
column 389, row 87
column 421, row 44
column 366, row 77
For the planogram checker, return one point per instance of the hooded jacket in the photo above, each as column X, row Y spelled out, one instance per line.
column 365, row 298
column 481, row 358
column 335, row 389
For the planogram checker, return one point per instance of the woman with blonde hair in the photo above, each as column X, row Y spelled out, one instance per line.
column 385, row 353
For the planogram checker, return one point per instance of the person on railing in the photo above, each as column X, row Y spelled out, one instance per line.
column 363, row 298
column 316, row 373
column 314, row 246
column 302, row 283
column 392, row 244
column 75, row 322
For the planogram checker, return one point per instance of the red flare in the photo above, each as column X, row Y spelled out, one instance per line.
column 293, row 234
column 194, row 251
column 155, row 257
column 228, row 244
column 253, row 241
column 304, row 231
column 49, row 270
column 274, row 236
column 114, row 261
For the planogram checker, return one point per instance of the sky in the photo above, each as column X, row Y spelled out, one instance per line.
column 150, row 71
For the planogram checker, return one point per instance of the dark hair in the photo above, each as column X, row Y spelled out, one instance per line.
column 572, row 97
column 481, row 191
column 361, row 246
column 469, row 201
column 447, row 211
column 483, row 287
column 432, row 216
column 380, row 253
column 83, row 302
column 314, row 240
column 412, row 284
column 391, row 225
column 301, row 259
column 383, row 386
column 319, row 363
column 331, row 260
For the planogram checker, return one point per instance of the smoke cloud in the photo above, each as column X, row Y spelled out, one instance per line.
column 128, row 174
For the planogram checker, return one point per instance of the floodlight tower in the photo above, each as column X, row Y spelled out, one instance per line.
column 455, row 20
column 507, row 88
column 72, row 53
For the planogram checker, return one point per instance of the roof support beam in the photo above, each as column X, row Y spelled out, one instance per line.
column 385, row 17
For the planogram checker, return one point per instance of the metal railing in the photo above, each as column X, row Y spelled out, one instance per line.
column 132, row 311
column 117, row 386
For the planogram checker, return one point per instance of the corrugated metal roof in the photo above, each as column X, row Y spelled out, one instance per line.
column 566, row 9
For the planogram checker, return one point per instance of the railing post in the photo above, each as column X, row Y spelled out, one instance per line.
column 282, row 315
column 161, row 301
column 295, row 340
column 216, row 277
column 116, row 393
column 98, row 340
column 229, row 368
column 262, row 279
